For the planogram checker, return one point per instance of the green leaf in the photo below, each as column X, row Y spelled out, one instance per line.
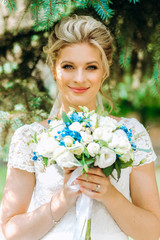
column 65, row 118
column 124, row 164
column 45, row 160
column 35, row 137
column 85, row 167
column 86, row 152
column 117, row 167
column 102, row 143
column 90, row 161
column 108, row 170
column 105, row 114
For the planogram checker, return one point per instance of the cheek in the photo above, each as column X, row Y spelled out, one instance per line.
column 97, row 80
column 62, row 79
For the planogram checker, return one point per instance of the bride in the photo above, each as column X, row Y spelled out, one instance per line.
column 80, row 54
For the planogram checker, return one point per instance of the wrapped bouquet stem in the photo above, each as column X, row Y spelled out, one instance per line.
column 83, row 210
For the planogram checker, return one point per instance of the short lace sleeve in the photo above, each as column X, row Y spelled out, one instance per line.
column 142, row 140
column 20, row 153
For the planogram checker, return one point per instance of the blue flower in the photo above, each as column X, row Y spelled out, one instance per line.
column 133, row 145
column 49, row 121
column 88, row 125
column 61, row 143
column 68, row 124
column 75, row 117
column 128, row 132
column 117, row 156
column 34, row 158
column 67, row 132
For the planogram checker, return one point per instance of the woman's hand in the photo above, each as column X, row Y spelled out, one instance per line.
column 95, row 184
column 65, row 199
column 70, row 196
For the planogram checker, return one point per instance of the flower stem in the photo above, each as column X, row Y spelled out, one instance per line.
column 88, row 232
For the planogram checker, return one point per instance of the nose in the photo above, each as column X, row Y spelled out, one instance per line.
column 80, row 76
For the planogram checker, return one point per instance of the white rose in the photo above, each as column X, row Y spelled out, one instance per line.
column 67, row 159
column 58, row 127
column 93, row 148
column 120, row 142
column 46, row 145
column 58, row 151
column 102, row 133
column 108, row 122
column 107, row 158
column 93, row 119
column 77, row 149
column 75, row 126
column 68, row 140
column 55, row 123
column 86, row 137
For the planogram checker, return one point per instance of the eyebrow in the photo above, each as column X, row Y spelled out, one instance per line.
column 86, row 63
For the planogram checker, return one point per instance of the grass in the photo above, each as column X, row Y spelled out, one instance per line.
column 3, row 171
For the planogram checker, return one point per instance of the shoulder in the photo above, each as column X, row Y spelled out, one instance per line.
column 21, row 147
column 136, row 126
column 142, row 141
column 27, row 130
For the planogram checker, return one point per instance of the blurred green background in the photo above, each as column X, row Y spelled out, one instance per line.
column 27, row 87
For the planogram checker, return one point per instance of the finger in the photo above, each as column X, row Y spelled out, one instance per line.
column 89, row 185
column 69, row 170
column 89, row 193
column 96, row 171
column 91, row 178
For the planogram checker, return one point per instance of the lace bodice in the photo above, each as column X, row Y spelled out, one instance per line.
column 50, row 182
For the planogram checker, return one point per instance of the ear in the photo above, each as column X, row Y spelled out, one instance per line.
column 53, row 70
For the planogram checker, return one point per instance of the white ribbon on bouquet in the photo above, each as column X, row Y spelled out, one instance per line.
column 83, row 207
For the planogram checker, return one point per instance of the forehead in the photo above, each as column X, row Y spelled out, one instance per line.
column 80, row 52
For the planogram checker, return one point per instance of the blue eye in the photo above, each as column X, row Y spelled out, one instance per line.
column 67, row 66
column 92, row 67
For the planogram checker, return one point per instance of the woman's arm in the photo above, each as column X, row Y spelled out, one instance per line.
column 16, row 223
column 140, row 219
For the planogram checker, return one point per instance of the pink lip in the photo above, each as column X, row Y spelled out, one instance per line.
column 79, row 90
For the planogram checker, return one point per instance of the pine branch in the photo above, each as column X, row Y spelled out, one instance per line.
column 50, row 7
column 134, row 1
column 77, row 2
column 22, row 17
column 10, row 4
column 102, row 7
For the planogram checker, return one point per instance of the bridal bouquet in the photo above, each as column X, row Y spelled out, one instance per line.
column 85, row 139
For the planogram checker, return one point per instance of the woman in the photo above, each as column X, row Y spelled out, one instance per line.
column 80, row 53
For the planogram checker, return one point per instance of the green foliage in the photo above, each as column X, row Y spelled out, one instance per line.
column 102, row 8
column 11, row 5
column 3, row 173
column 8, row 124
column 134, row 1
column 108, row 170
column 65, row 118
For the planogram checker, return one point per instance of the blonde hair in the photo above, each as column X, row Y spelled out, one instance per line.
column 80, row 29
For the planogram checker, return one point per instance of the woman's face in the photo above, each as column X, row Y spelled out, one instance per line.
column 79, row 73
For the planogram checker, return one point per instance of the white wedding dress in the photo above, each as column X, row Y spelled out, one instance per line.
column 50, row 182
